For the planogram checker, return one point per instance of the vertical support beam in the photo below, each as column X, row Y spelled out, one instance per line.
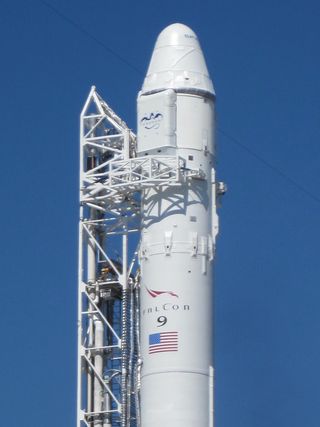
column 126, row 144
column 79, row 363
column 80, row 274
column 125, row 259
column 91, row 278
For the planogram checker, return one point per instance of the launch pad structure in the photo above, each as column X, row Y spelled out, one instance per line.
column 115, row 179
column 111, row 179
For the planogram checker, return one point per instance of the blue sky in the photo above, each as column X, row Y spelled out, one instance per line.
column 264, row 60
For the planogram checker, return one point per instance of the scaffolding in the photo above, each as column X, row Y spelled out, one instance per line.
column 112, row 177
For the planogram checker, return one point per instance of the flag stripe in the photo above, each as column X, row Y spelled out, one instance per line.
column 167, row 346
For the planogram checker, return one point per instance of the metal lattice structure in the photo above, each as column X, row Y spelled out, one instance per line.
column 111, row 179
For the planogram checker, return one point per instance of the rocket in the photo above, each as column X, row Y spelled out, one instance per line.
column 175, row 114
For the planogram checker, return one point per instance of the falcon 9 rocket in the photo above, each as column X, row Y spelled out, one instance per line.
column 179, row 228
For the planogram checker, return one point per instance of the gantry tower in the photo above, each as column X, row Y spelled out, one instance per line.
column 111, row 180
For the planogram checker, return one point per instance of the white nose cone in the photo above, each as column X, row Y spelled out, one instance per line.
column 177, row 63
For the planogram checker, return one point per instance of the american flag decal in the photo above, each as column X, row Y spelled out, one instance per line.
column 163, row 342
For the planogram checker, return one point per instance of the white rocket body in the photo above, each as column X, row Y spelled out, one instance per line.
column 179, row 227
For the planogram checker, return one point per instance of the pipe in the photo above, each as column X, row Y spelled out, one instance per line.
column 137, row 376
column 91, row 277
column 131, row 351
column 124, row 357
column 107, row 421
column 98, row 364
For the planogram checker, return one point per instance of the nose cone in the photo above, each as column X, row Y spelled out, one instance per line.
column 178, row 63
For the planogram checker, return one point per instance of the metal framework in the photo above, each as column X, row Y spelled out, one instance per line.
column 111, row 180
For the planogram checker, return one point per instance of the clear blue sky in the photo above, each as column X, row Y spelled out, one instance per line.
column 264, row 60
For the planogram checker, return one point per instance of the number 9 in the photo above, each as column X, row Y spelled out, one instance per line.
column 162, row 320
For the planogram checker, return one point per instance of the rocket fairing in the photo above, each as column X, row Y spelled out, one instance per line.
column 179, row 228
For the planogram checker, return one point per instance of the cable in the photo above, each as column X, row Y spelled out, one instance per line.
column 270, row 165
column 277, row 171
column 89, row 35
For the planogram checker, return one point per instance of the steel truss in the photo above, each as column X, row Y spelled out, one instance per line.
column 111, row 179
